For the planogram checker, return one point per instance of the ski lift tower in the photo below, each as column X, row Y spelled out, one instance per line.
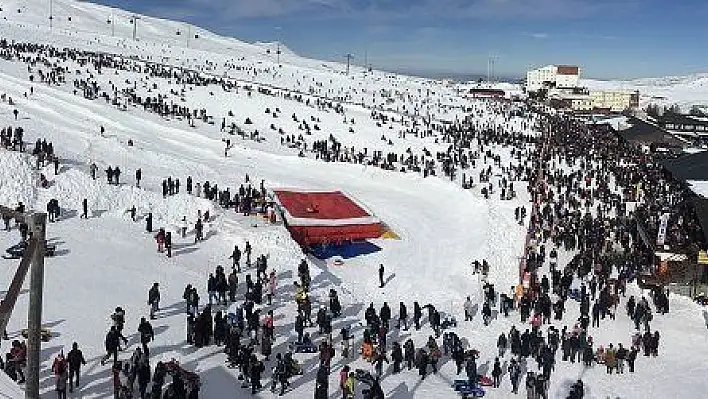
column 32, row 258
column 134, row 20
column 349, row 61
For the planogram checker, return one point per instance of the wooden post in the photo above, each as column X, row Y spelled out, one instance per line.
column 34, row 317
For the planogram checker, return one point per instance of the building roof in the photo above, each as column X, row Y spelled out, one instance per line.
column 567, row 70
column 322, row 208
column 679, row 119
column 643, row 132
column 689, row 167
column 487, row 91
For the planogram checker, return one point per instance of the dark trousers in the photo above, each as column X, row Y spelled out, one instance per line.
column 73, row 373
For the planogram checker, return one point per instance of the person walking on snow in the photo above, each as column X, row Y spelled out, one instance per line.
column 154, row 300
column 75, row 359
column 183, row 226
column 147, row 334
column 60, row 372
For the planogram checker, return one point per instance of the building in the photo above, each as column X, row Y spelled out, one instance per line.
column 481, row 92
column 581, row 100
column 571, row 101
column 615, row 101
column 552, row 76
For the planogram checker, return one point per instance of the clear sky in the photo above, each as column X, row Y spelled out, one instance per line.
column 608, row 38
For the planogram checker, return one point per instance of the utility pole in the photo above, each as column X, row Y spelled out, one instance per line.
column 349, row 60
column 189, row 33
column 134, row 20
column 34, row 318
column 277, row 41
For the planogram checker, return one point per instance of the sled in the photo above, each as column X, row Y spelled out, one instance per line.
column 466, row 391
column 45, row 334
column 17, row 251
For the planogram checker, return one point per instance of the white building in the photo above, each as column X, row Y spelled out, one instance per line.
column 552, row 76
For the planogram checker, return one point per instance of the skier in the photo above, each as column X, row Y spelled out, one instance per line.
column 76, row 360
column 148, row 223
column 138, row 177
column 154, row 300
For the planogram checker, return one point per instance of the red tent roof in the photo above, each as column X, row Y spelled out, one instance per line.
column 320, row 205
column 314, row 217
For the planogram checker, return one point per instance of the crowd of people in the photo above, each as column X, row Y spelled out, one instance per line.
column 588, row 190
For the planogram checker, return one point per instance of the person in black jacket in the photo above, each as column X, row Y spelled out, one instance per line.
column 143, row 378
column 322, row 383
column 397, row 357
column 146, row 334
column 113, row 339
column 417, row 314
column 75, row 359
column 256, row 370
column 402, row 316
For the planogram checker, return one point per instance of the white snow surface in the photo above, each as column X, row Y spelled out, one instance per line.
column 699, row 187
column 108, row 260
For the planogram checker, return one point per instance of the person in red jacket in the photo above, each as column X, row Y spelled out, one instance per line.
column 160, row 239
